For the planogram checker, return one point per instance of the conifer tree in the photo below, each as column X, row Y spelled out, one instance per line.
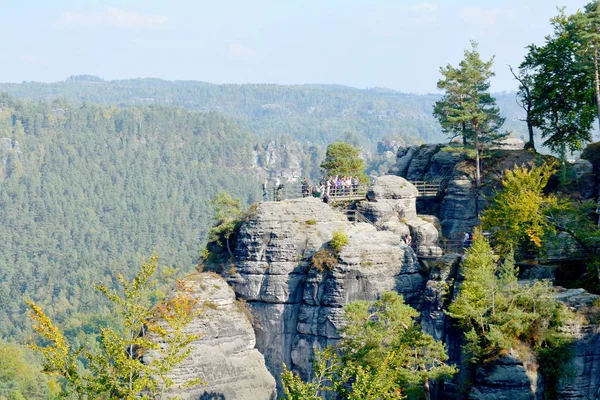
column 342, row 159
column 467, row 108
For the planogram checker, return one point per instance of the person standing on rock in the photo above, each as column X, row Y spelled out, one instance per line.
column 278, row 190
column 265, row 187
column 305, row 187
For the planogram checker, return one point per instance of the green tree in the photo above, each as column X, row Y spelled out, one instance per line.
column 342, row 159
column 587, row 30
column 467, row 109
column 20, row 376
column 516, row 214
column 384, row 355
column 117, row 370
column 227, row 214
column 525, row 100
column 496, row 313
column 563, row 107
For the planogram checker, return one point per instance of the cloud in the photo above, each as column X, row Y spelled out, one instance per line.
column 425, row 7
column 239, row 51
column 484, row 17
column 111, row 17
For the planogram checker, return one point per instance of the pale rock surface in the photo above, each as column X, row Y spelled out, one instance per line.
column 225, row 355
column 295, row 307
column 392, row 207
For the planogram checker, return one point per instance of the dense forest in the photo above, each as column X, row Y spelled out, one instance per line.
column 87, row 191
column 316, row 113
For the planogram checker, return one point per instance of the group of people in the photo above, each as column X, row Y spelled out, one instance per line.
column 331, row 186
column 277, row 190
column 337, row 186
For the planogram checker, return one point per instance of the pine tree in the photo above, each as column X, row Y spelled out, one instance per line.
column 342, row 159
column 467, row 108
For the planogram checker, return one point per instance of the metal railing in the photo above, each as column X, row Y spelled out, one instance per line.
column 297, row 190
column 427, row 189
column 356, row 216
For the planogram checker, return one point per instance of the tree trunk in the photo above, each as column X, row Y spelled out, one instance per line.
column 426, row 389
column 597, row 79
column 477, row 169
column 531, row 144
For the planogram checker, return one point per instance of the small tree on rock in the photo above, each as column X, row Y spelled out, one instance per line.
column 342, row 159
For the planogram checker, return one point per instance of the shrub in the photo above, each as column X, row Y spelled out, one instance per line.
column 310, row 222
column 339, row 240
column 323, row 260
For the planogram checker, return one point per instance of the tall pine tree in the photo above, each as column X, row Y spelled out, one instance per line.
column 467, row 108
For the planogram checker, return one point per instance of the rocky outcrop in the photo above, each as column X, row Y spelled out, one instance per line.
column 449, row 169
column 509, row 376
column 280, row 160
column 225, row 355
column 582, row 375
column 459, row 208
column 392, row 207
column 296, row 307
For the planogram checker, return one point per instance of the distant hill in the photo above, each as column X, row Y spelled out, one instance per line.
column 87, row 191
column 316, row 113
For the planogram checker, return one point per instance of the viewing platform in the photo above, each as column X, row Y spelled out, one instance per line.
column 338, row 194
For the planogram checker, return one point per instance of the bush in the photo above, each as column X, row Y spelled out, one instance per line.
column 339, row 240
column 323, row 260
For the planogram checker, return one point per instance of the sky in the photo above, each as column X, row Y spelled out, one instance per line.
column 397, row 44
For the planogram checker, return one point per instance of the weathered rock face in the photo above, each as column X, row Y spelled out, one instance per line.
column 225, row 356
column 280, row 160
column 459, row 208
column 583, row 382
column 392, row 207
column 430, row 163
column 295, row 307
column 508, row 377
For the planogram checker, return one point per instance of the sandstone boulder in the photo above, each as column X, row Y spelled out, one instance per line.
column 225, row 355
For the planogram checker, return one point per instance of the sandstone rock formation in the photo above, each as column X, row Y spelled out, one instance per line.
column 583, row 373
column 296, row 307
column 392, row 206
column 508, row 377
column 225, row 356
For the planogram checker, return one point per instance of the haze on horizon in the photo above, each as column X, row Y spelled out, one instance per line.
column 360, row 43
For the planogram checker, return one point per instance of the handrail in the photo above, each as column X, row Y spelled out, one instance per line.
column 357, row 216
column 345, row 192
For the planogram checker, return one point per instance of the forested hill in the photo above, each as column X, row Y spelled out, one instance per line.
column 86, row 191
column 318, row 113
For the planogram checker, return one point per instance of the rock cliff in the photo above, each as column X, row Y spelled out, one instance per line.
column 225, row 355
column 296, row 307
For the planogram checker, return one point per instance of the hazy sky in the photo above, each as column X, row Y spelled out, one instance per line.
column 398, row 44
